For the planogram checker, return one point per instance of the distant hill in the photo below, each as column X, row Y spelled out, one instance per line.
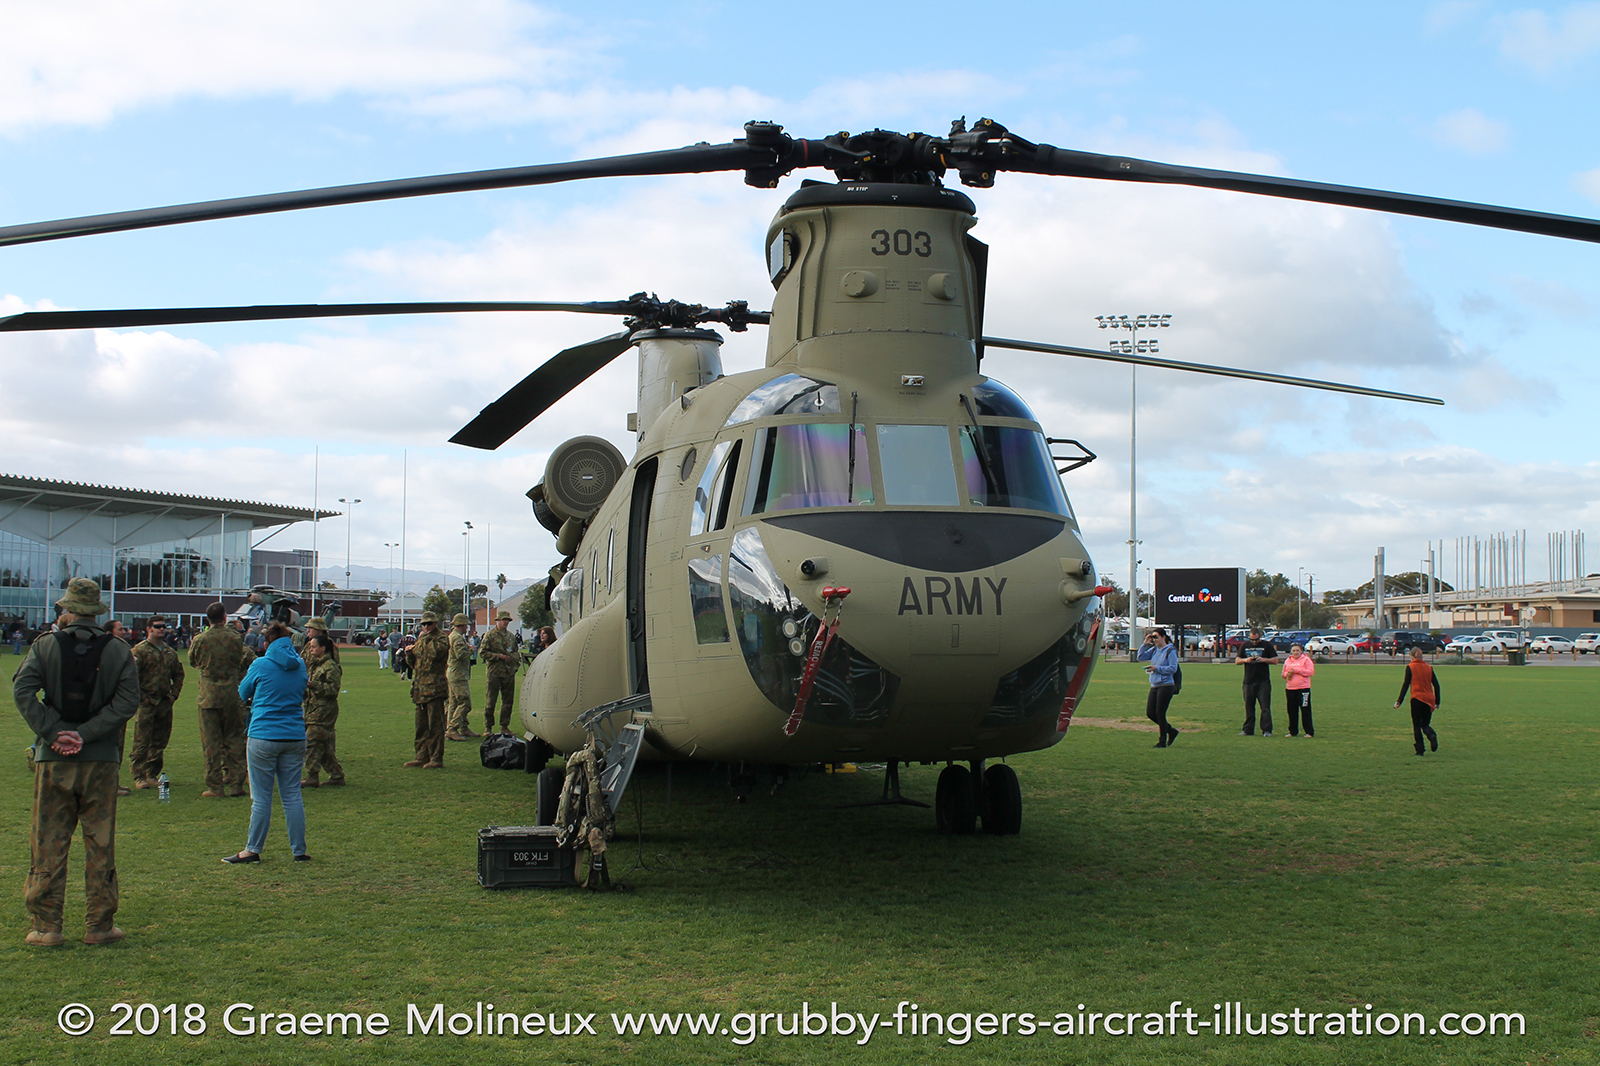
column 418, row 581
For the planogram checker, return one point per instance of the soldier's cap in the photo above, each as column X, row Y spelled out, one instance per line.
column 428, row 616
column 82, row 598
column 459, row 620
column 503, row 614
column 316, row 623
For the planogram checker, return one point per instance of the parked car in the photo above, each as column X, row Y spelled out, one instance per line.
column 1586, row 643
column 1482, row 644
column 1401, row 641
column 1551, row 644
column 1208, row 642
column 1509, row 638
column 1330, row 644
column 1363, row 642
column 1117, row 641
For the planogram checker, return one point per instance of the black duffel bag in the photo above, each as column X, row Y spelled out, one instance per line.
column 502, row 751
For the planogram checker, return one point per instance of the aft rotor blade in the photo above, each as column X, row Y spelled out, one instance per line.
column 1205, row 368
column 1045, row 159
column 694, row 159
column 174, row 316
column 534, row 394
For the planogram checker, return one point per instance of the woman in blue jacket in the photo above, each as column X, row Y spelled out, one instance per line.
column 276, row 750
column 1162, row 666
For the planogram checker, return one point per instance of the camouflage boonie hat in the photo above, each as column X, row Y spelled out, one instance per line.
column 83, row 598
column 503, row 614
column 317, row 623
column 459, row 620
column 428, row 616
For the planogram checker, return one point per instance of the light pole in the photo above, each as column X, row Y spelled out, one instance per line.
column 1299, row 619
column 350, row 521
column 466, row 569
column 392, row 546
column 1133, row 324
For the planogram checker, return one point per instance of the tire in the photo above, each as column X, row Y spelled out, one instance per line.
column 1002, row 801
column 549, row 795
column 955, row 804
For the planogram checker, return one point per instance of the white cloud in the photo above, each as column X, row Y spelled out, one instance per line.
column 1532, row 38
column 1588, row 183
column 157, row 51
column 1471, row 131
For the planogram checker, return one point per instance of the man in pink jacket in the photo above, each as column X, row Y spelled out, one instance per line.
column 1297, row 671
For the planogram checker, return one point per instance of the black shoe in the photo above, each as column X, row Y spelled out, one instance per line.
column 1433, row 741
column 1161, row 743
column 302, row 858
column 243, row 856
column 1172, row 738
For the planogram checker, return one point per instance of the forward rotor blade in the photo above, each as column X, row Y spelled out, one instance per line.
column 695, row 159
column 534, row 394
column 174, row 316
column 1045, row 159
column 1205, row 368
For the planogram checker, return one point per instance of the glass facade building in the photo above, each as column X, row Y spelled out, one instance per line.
column 150, row 552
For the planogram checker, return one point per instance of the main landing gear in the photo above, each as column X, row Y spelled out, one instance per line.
column 964, row 796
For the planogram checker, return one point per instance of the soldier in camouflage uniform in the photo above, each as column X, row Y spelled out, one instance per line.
column 321, row 710
column 317, row 625
column 428, row 690
column 499, row 653
column 221, row 658
column 77, row 752
column 459, row 710
column 160, row 683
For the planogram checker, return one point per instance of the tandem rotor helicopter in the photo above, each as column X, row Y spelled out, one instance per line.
column 860, row 551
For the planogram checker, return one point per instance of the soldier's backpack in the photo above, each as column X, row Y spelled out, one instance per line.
column 502, row 751
column 80, row 668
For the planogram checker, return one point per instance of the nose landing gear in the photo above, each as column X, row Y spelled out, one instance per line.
column 965, row 796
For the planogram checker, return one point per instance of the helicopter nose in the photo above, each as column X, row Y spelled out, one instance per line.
column 984, row 601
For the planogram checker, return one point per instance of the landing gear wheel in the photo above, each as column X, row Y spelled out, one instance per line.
column 955, row 804
column 549, row 797
column 1002, row 806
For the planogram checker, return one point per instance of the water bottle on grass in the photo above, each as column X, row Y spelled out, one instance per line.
column 164, row 788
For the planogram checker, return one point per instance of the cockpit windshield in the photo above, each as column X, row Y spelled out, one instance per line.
column 1008, row 466
column 810, row 464
column 790, row 394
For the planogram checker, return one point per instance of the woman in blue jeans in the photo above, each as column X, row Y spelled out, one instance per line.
column 276, row 751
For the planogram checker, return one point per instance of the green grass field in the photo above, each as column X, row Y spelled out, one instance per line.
column 1321, row 875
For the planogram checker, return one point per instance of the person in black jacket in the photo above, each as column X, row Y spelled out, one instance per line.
column 1258, row 656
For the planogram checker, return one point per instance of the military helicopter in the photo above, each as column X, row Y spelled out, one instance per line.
column 863, row 549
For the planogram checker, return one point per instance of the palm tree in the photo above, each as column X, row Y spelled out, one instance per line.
column 499, row 579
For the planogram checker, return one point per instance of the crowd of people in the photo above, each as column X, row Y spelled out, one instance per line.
column 268, row 710
column 1259, row 656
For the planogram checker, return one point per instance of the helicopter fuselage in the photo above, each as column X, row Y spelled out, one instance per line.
column 870, row 453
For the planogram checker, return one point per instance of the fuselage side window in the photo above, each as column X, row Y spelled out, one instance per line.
column 700, row 518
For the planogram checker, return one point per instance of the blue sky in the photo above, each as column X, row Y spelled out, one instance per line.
column 105, row 107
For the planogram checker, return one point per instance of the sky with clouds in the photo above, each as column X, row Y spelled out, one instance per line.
column 109, row 106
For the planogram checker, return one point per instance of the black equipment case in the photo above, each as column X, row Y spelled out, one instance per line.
column 523, row 856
